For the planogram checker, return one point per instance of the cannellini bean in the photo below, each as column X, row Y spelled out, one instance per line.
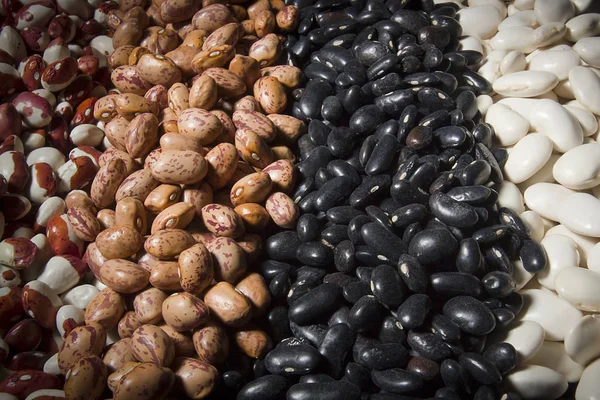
column 553, row 355
column 480, row 21
column 586, row 88
column 579, row 168
column 528, row 156
column 525, row 83
column 510, row 196
column 582, row 26
column 558, row 62
column 588, row 387
column 549, row 384
column 580, row 213
column 527, row 338
column 510, row 126
column 589, row 50
column 582, row 343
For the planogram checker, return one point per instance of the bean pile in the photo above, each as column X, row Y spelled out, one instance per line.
column 402, row 261
column 542, row 61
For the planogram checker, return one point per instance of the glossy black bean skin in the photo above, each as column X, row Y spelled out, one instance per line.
column 387, row 286
column 372, row 189
column 358, row 375
column 428, row 345
column 315, row 93
column 469, row 259
column 268, row 387
column 318, row 132
column 452, row 212
column 382, row 155
column 414, row 310
column 456, row 284
column 412, row 273
column 513, row 302
column 280, row 285
column 314, row 253
column 384, row 243
column 397, row 380
column 391, row 331
column 292, row 357
column 317, row 303
column 480, row 369
column 283, row 246
column 408, row 214
column 342, row 214
column 355, row 226
column 432, row 245
column 312, row 334
column 470, row 315
column 502, row 355
column 343, row 256
column 383, row 356
column 340, row 141
column 533, row 256
column 354, row 291
column 365, row 314
column 319, row 157
column 366, row 119
column 308, row 227
column 499, row 284
column 443, row 327
column 338, row 390
column 334, row 234
column 337, row 341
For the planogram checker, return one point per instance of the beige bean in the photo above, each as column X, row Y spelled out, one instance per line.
column 127, row 79
column 228, row 84
column 199, row 124
column 222, row 220
column 111, row 153
column 184, row 345
column 119, row 241
column 282, row 175
column 84, row 223
column 227, row 34
column 252, row 245
column 86, row 379
column 229, row 305
column 128, row 105
column 289, row 129
column 115, row 130
column 147, row 305
column 256, row 122
column 177, row 216
column 211, row 343
column 253, row 149
column 81, row 341
column 229, row 259
column 247, row 103
column 130, row 211
column 222, row 162
column 161, row 197
column 254, row 215
column 151, row 344
column 288, row 18
column 182, row 56
column 197, row 378
column 196, row 269
column 264, row 23
column 106, row 218
column 253, row 286
column 123, row 276
column 282, row 209
column 179, row 167
column 216, row 56
column 142, row 380
column 120, row 56
column 266, row 50
column 179, row 98
column 184, row 311
column 165, row 275
column 127, row 324
column 107, row 181
column 253, row 342
column 253, row 188
column 141, row 135
column 168, row 243
column 118, row 354
column 270, row 94
column 247, row 68
column 158, row 70
column 136, row 54
column 106, row 308
column 176, row 141
column 203, row 93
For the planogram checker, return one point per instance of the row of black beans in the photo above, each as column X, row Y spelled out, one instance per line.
column 402, row 262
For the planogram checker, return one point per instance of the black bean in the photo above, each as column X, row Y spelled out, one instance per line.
column 480, row 369
column 379, row 216
column 499, row 284
column 387, row 286
column 358, row 375
column 279, row 323
column 470, row 194
column 315, row 93
column 470, row 315
column 383, row 356
column 292, row 357
column 456, row 284
column 334, row 234
column 283, row 245
column 316, row 254
column 332, row 109
column 412, row 273
column 485, row 393
column 454, row 376
column 337, row 341
column 386, row 245
column 280, row 285
column 341, row 141
column 414, row 310
column 315, row 378
column 503, row 316
column 428, row 345
column 271, row 268
column 318, row 132
column 317, row 303
column 339, row 317
column 338, row 390
column 355, row 226
column 476, row 173
column 354, row 291
column 372, row 189
column 268, row 387
column 366, row 119
column 419, row 137
column 397, row 380
column 333, row 192
column 443, row 327
column 322, row 71
column 497, row 259
column 533, row 256
column 365, row 314
column 452, row 212
column 391, row 331
column 427, row 369
column 319, row 157
column 469, row 258
column 312, row 334
column 513, row 302
column 433, row 245
column 308, row 227
column 503, row 355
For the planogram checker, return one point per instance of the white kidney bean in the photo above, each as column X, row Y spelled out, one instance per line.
column 582, row 26
column 528, row 156
column 516, row 38
column 553, row 355
column 593, row 261
column 521, row 18
column 510, row 126
column 525, row 83
column 480, row 21
column 562, row 253
column 510, row 196
column 546, row 308
column 587, row 120
column 579, row 286
column 547, row 11
column 580, row 213
column 513, row 62
column 586, row 88
column 582, row 343
column 544, row 198
column 557, row 62
column 589, row 50
column 527, row 338
column 588, row 388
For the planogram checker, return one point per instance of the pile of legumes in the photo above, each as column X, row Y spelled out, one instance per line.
column 260, row 200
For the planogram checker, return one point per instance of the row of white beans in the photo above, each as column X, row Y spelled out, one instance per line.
column 543, row 60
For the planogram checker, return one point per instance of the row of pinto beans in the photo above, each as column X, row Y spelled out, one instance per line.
column 131, row 217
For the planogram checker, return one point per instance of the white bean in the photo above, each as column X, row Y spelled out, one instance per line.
column 589, row 50
column 553, row 355
column 579, row 168
column 584, row 243
column 510, row 126
column 580, row 213
column 582, row 343
column 588, row 388
column 527, row 338
column 562, row 253
column 480, row 21
column 510, row 196
column 582, row 26
column 586, row 88
column 547, row 11
column 544, row 198
column 549, row 384
column 528, row 156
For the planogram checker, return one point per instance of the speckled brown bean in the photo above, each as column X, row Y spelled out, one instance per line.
column 119, row 241
column 138, row 185
column 107, row 218
column 264, row 23
column 164, row 276
column 270, row 94
column 130, row 211
column 222, row 162
column 158, row 70
column 253, row 149
column 115, row 131
column 256, row 7
column 161, row 197
column 229, row 259
column 184, row 311
column 131, row 165
column 253, row 188
column 123, row 276
column 203, row 93
column 229, row 305
column 141, row 135
column 199, row 124
column 107, row 181
column 143, row 381
column 106, row 309
column 177, row 216
column 253, row 286
column 222, row 220
column 128, row 323
column 159, row 40
column 148, row 305
column 120, row 56
column 149, row 343
column 253, row 342
column 179, row 167
column 211, row 343
column 127, row 79
column 127, row 34
column 248, row 27
column 283, row 153
column 169, row 243
column 282, row 209
column 158, row 94
column 152, row 157
column 289, row 129
column 216, row 56
column 82, row 340
column 255, row 216
column 198, row 195
column 212, row 17
column 84, row 223
column 288, row 18
column 256, row 122
column 182, row 56
column 184, row 345
column 282, row 175
column 86, row 379
column 228, row 135
column 129, row 105
column 247, row 103
column 226, row 34
column 252, row 245
column 288, row 75
column 178, row 10
column 118, row 354
column 196, row 379
column 136, row 54
column 196, row 269
column 228, row 84
column 266, row 50
column 179, row 98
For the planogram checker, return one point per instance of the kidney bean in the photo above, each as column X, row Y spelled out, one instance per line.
column 23, row 384
column 144, row 379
